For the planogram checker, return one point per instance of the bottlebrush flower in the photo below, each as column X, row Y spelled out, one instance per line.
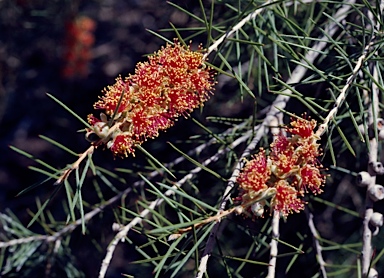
column 173, row 82
column 288, row 172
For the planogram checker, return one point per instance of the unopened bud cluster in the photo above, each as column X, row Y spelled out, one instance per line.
column 378, row 125
column 375, row 192
column 172, row 83
column 286, row 173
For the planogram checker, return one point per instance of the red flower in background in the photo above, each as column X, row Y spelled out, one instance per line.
column 78, row 44
column 172, row 83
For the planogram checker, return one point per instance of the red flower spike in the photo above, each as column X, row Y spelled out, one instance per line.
column 286, row 200
column 178, row 75
column 172, row 83
column 283, row 156
column 291, row 170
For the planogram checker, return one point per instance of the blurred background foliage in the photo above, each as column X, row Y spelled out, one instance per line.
column 36, row 38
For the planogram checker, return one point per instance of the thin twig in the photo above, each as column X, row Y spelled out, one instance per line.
column 340, row 99
column 209, row 220
column 89, row 151
column 273, row 245
column 75, row 165
column 237, row 27
column 373, row 149
column 373, row 114
column 237, row 209
column 316, row 236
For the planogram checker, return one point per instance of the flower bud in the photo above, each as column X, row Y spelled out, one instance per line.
column 376, row 192
column 377, row 167
column 372, row 128
column 376, row 219
column 257, row 209
column 381, row 134
column 380, row 124
column 239, row 210
column 101, row 129
column 173, row 237
column 363, row 179
column 116, row 227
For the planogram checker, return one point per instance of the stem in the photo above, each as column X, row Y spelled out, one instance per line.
column 318, row 247
column 216, row 217
column 373, row 149
column 237, row 27
column 269, row 193
column 75, row 165
column 373, row 114
column 273, row 245
column 340, row 99
column 59, row 234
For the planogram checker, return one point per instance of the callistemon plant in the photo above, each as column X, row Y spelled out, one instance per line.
column 172, row 83
column 287, row 173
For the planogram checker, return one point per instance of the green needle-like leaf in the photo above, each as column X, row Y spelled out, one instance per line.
column 69, row 110
column 41, row 209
